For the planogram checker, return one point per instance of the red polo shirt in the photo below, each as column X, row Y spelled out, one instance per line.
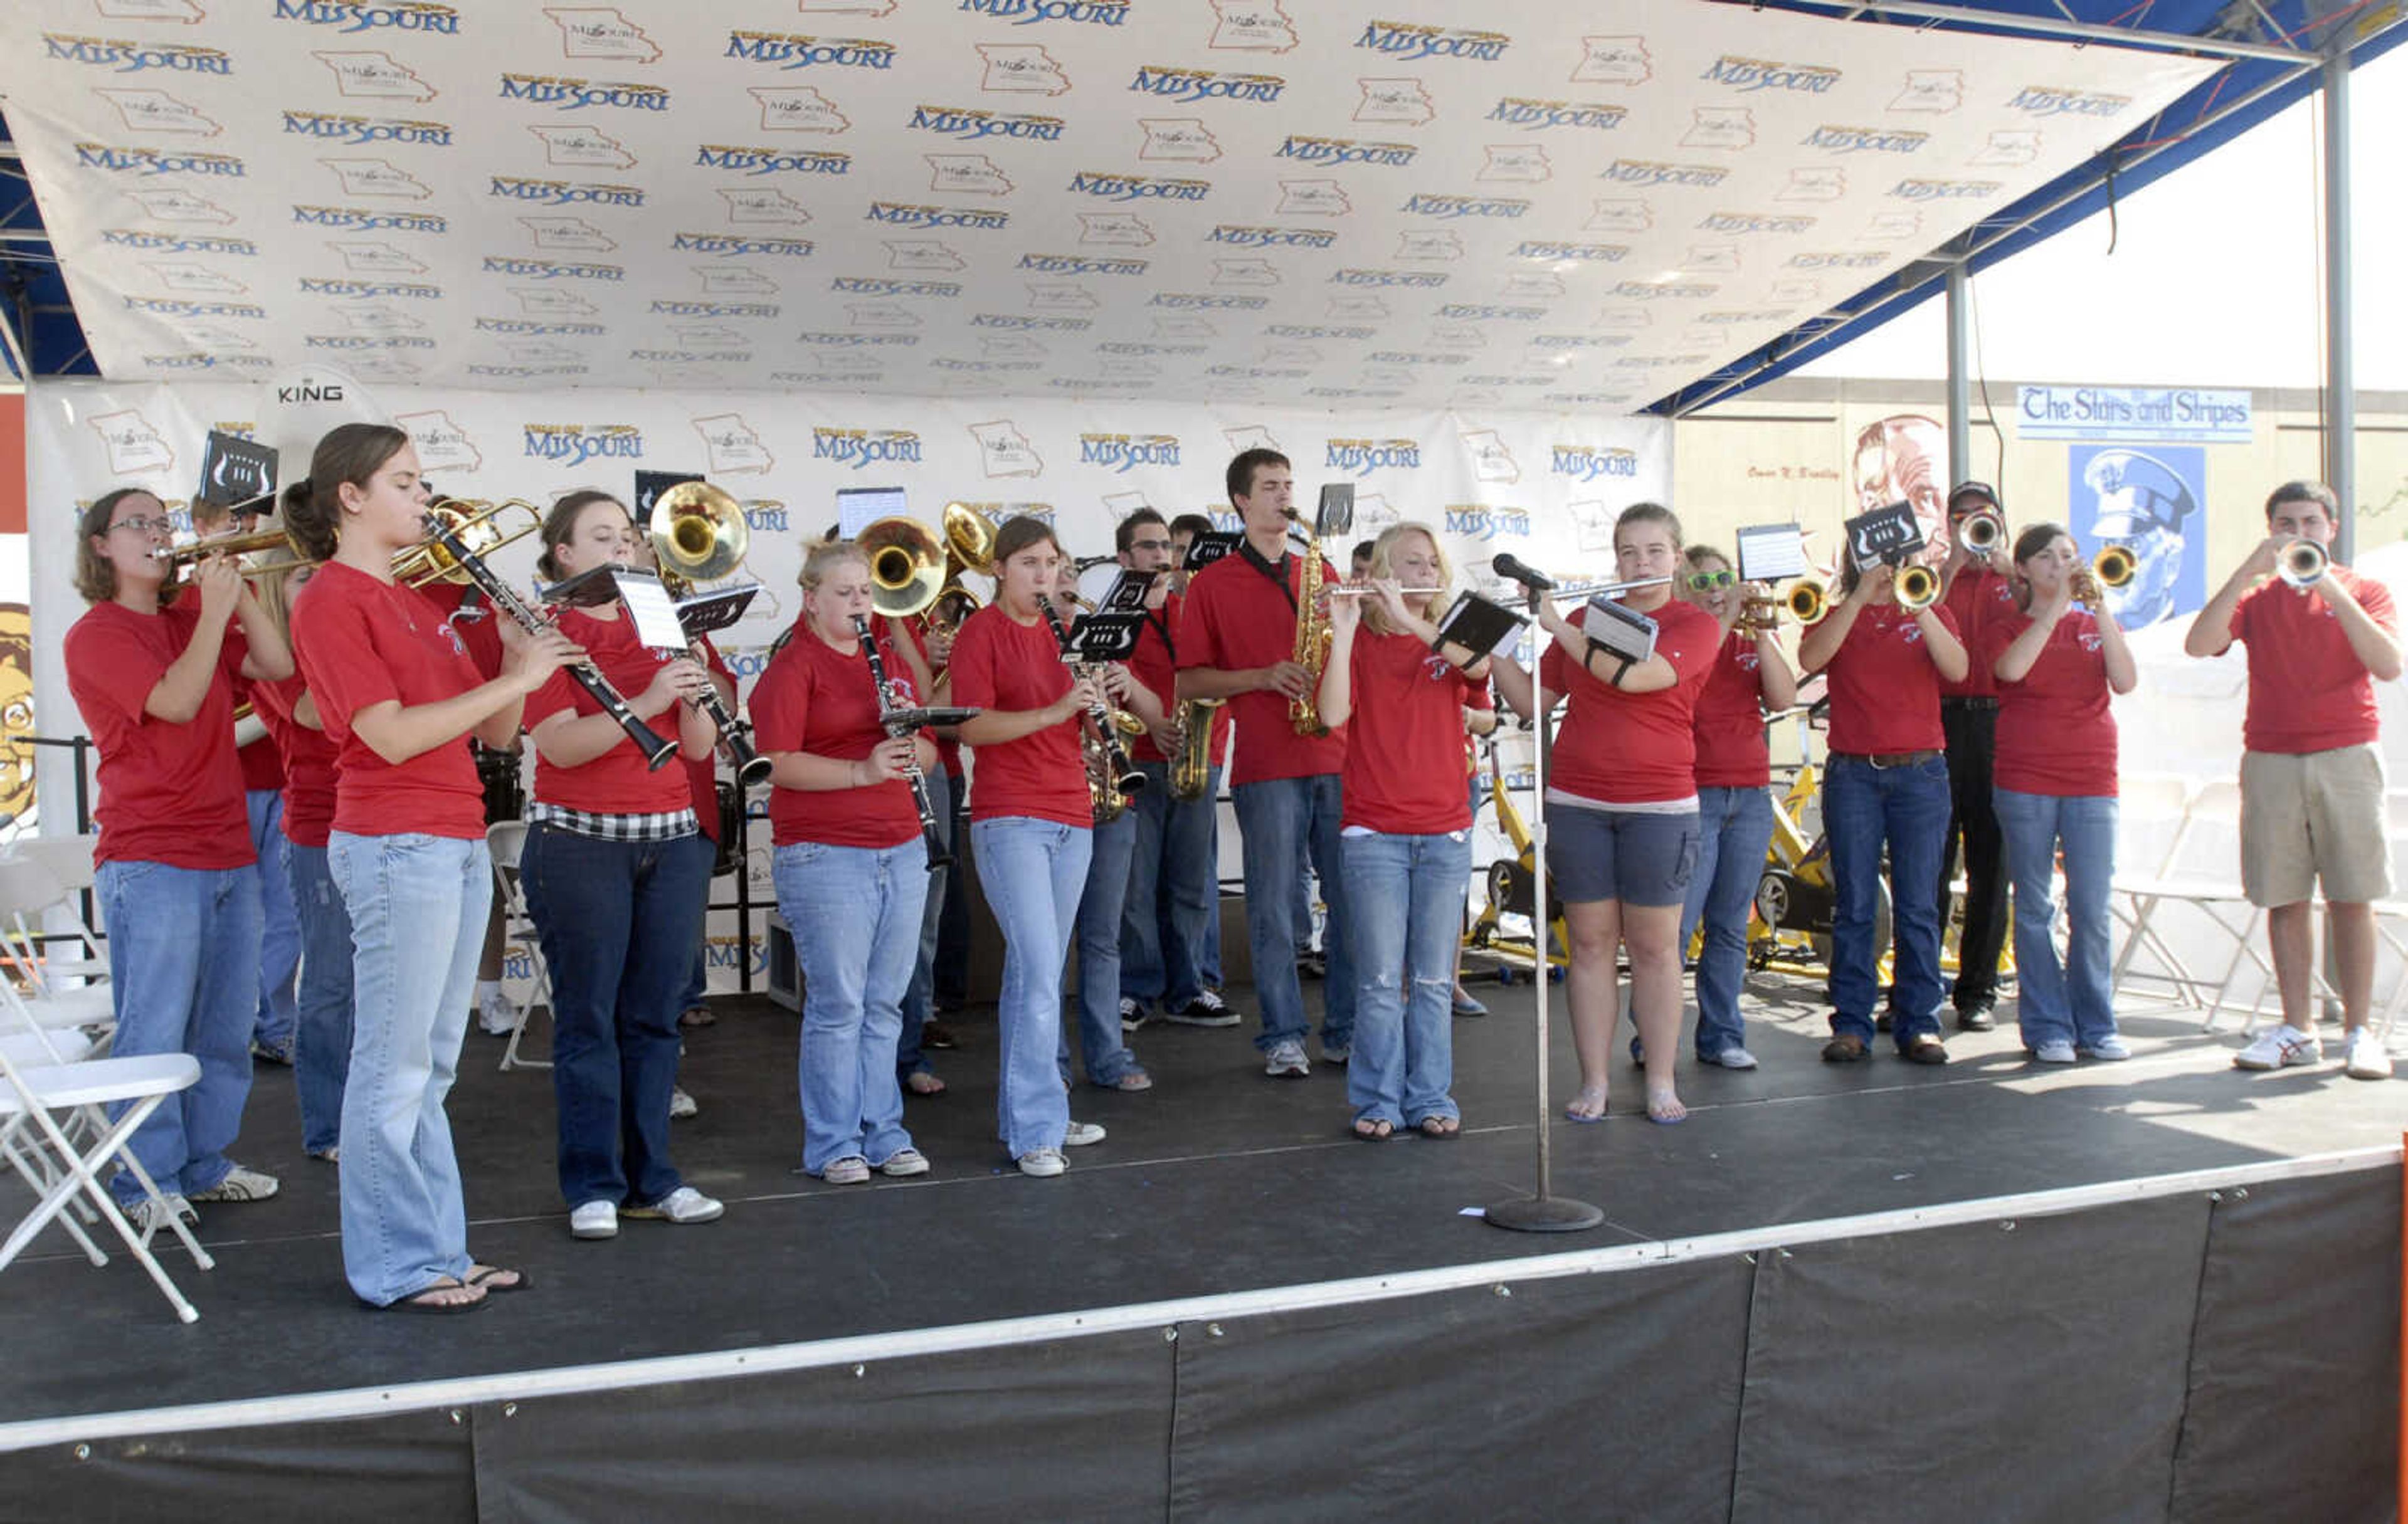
column 308, row 763
column 1978, row 596
column 2308, row 692
column 1156, row 663
column 619, row 781
column 1404, row 753
column 1884, row 690
column 1729, row 723
column 2056, row 735
column 1237, row 618
column 1620, row 748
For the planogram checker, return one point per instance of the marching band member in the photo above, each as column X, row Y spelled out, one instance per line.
column 397, row 693
column 1622, row 806
column 615, row 870
column 1886, row 783
column 465, row 609
column 2056, row 659
column 1407, row 837
column 850, row 871
column 1183, row 532
column 1750, row 680
column 175, row 883
column 322, row 1046
column 2312, row 778
column 1032, row 829
column 1236, row 641
column 1976, row 590
column 1175, row 890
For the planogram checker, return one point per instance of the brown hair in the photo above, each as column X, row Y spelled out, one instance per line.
column 1242, row 466
column 2304, row 492
column 1696, row 554
column 349, row 453
column 1647, row 513
column 560, row 523
column 1018, row 532
column 2031, row 542
column 96, row 578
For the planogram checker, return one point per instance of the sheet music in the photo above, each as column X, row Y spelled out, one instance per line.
column 1769, row 552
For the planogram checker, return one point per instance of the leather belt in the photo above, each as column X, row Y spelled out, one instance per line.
column 1887, row 759
column 1968, row 701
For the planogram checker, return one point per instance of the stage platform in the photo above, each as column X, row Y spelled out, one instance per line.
column 1215, row 1197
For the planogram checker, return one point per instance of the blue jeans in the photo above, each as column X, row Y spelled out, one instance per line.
column 1734, row 830
column 918, row 998
column 856, row 913
column 617, row 921
column 1098, row 931
column 1032, row 872
column 321, row 1047
column 184, row 977
column 418, row 907
column 1174, row 893
column 280, row 945
column 2069, row 1002
column 952, row 984
column 1407, row 898
column 1280, row 819
column 1865, row 808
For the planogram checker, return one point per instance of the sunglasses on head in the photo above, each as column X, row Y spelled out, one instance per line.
column 1708, row 581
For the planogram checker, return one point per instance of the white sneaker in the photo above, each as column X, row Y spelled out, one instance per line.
column 2368, row 1058
column 2055, row 1050
column 1286, row 1060
column 2278, row 1046
column 150, row 1217
column 681, row 1105
column 495, row 1016
column 682, row 1206
column 240, row 1185
column 2110, row 1049
column 1080, row 1134
column 903, row 1161
column 1044, row 1164
column 1335, row 1052
column 594, row 1219
column 852, row 1170
column 1734, row 1058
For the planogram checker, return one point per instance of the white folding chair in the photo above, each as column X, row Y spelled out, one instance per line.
column 2152, row 809
column 29, row 893
column 69, row 863
column 506, row 842
column 2202, row 871
column 32, row 1100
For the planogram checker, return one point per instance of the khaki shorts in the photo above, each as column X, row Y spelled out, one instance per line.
column 2317, row 816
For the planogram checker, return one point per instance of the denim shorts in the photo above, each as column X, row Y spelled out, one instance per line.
column 1612, row 854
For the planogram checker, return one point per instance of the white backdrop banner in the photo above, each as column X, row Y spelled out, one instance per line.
column 1545, row 489
column 1418, row 203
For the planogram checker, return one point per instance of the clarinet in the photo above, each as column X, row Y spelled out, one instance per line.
column 656, row 751
column 1124, row 775
column 938, row 857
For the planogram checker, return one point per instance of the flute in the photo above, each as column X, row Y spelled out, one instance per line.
column 938, row 857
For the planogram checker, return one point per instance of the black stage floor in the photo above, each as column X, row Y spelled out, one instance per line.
column 1219, row 1179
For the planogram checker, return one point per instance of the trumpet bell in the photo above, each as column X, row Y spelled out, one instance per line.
column 1806, row 603
column 1917, row 587
column 698, row 532
column 2303, row 563
column 2114, row 567
column 907, row 565
column 1980, row 534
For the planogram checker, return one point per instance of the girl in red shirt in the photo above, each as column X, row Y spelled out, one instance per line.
column 1030, row 829
column 1885, row 785
column 615, row 868
column 1622, row 806
column 399, row 694
column 155, row 680
column 850, row 871
column 2054, row 782
column 1405, row 830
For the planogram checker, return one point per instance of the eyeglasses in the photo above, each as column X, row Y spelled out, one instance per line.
column 1148, row 545
column 142, row 524
column 1708, row 581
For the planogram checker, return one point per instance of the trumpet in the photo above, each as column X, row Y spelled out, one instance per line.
column 1918, row 586
column 1980, row 534
column 698, row 534
column 2114, row 566
column 1807, row 601
column 2303, row 563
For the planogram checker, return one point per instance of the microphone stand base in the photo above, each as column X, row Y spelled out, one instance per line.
column 1544, row 1215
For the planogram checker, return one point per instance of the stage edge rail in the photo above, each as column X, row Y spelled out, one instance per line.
column 520, row 1386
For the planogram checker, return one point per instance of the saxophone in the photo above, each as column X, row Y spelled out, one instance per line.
column 1191, row 761
column 1313, row 639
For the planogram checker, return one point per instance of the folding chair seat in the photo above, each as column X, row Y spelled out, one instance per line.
column 506, row 842
column 33, row 1101
column 30, row 892
column 2202, row 870
column 68, row 861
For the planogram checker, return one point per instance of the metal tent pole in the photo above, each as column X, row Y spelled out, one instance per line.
column 1960, row 383
column 2341, row 382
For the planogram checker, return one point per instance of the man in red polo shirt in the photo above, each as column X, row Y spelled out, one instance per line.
column 1236, row 641
column 1978, row 589
column 2310, row 772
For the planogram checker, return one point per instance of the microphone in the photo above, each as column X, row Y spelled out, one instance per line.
column 1510, row 567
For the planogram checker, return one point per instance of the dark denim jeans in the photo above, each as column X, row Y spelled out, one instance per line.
column 322, row 1048
column 1972, row 818
column 1905, row 808
column 1281, row 821
column 1174, row 893
column 1734, row 830
column 617, row 922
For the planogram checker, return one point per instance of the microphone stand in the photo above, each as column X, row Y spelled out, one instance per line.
column 1541, row 1212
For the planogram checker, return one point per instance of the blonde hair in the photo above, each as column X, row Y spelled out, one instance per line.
column 826, row 557
column 1375, row 615
column 275, row 594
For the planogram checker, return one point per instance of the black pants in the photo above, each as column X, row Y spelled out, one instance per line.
column 1973, row 743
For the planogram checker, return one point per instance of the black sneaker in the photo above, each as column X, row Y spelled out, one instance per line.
column 1133, row 1013
column 1976, row 1018
column 1206, row 1010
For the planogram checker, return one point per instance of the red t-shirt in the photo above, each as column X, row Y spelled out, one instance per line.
column 480, row 628
column 1000, row 664
column 949, row 753
column 1730, row 720
column 1156, row 663
column 262, row 761
column 812, row 697
column 309, row 762
column 2056, row 735
column 361, row 641
column 1884, row 690
column 1619, row 748
column 168, row 794
column 620, row 782
column 1404, row 748
column 2308, row 692
column 1236, row 619
column 1978, row 597
column 702, row 773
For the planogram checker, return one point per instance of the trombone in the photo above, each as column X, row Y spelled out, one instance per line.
column 176, row 558
column 477, row 524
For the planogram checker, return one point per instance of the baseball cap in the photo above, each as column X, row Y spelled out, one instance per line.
column 1981, row 490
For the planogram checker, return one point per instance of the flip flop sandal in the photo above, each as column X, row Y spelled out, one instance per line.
column 1372, row 1129
column 1445, row 1128
column 416, row 1302
column 488, row 1278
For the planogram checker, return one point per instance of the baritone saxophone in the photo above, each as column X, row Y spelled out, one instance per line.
column 1191, row 764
